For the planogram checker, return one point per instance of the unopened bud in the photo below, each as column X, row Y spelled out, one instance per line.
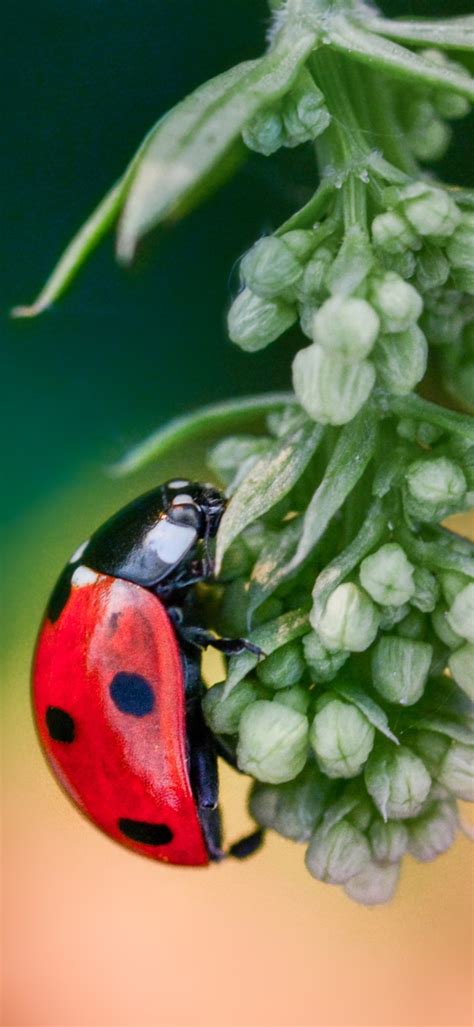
column 342, row 739
column 388, row 841
column 270, row 267
column 461, row 665
column 426, row 593
column 323, row 664
column 398, row 782
column 435, row 487
column 387, row 575
column 451, row 105
column 457, row 771
column 265, row 132
column 312, row 284
column 413, row 625
column 284, row 667
column 304, row 114
column 432, row 748
column 460, row 249
column 273, row 742
column 401, row 360
column 374, row 885
column 433, row 832
column 461, row 614
column 393, row 233
column 443, row 629
column 293, row 809
column 430, row 211
column 397, row 303
column 430, row 136
column 400, row 668
column 297, row 698
column 254, row 322
column 337, row 854
column 223, row 714
column 331, row 389
column 346, row 325
column 432, row 269
column 350, row 620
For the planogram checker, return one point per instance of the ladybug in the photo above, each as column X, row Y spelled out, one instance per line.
column 117, row 685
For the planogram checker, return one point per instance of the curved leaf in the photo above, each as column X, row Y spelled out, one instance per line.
column 369, row 535
column 444, row 33
column 269, row 569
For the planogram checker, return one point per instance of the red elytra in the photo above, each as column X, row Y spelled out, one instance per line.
column 128, row 772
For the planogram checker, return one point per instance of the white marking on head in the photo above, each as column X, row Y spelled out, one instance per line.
column 180, row 483
column 183, row 499
column 170, row 541
column 83, row 576
column 79, row 551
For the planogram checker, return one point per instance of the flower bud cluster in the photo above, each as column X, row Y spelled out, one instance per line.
column 425, row 113
column 299, row 117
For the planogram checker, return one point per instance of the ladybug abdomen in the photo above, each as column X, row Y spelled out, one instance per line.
column 110, row 707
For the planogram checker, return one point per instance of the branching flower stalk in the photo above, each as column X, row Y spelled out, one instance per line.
column 332, row 555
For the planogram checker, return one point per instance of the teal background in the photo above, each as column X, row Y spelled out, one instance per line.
column 122, row 352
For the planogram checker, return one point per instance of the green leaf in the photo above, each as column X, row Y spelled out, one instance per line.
column 267, row 637
column 316, row 207
column 269, row 569
column 422, row 410
column 354, row 448
column 214, row 419
column 444, row 33
column 390, row 470
column 434, row 555
column 197, row 134
column 374, row 713
column 369, row 535
column 269, row 480
column 451, row 728
column 384, row 55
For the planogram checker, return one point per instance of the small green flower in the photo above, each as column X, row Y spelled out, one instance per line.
column 460, row 249
column 284, row 667
column 457, row 771
column 433, row 832
column 430, row 211
column 337, row 854
column 297, row 698
column 349, row 621
column 331, row 389
column 388, row 841
column 254, row 322
column 265, row 132
column 374, row 885
column 432, row 269
column 273, row 742
column 398, row 782
column 400, row 668
column 223, row 714
column 432, row 747
column 311, row 285
column 426, row 593
column 435, row 487
column 461, row 665
column 401, row 360
column 342, row 738
column 293, row 809
column 387, row 575
column 460, row 616
column 393, row 233
column 304, row 114
column 443, row 628
column 346, row 325
column 322, row 663
column 270, row 267
column 397, row 303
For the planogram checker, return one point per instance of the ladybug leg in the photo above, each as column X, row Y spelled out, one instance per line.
column 247, row 846
column 201, row 638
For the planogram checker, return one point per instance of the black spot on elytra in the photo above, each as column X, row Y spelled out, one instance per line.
column 132, row 694
column 60, row 594
column 147, row 834
column 60, row 724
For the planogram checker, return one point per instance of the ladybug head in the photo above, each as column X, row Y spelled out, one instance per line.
column 194, row 504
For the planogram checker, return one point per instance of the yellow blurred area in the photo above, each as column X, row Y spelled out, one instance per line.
column 95, row 936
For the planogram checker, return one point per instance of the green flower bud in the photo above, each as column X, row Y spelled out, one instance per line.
column 432, row 748
column 432, row 269
column 430, row 211
column 284, row 667
column 322, row 663
column 443, row 629
column 456, row 771
column 297, row 698
column 331, row 390
column 292, row 809
column 313, row 280
column 228, row 456
column 349, row 620
column 392, row 232
column 337, row 854
column 435, row 487
column 403, row 264
column 451, row 105
column 304, row 115
column 273, row 742
column 392, row 615
column 400, row 668
column 452, row 582
column 398, row 782
column 460, row 249
column 443, row 318
column 223, row 715
column 461, row 665
column 347, row 325
column 388, row 841
column 401, row 360
column 397, row 303
column 412, row 626
column 433, row 832
column 265, row 132
column 254, row 322
column 463, row 278
column 362, row 814
column 301, row 242
column 426, row 590
column 270, row 267
column 387, row 575
column 307, row 312
column 460, row 616
column 374, row 885
column 342, row 739
column 430, row 137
